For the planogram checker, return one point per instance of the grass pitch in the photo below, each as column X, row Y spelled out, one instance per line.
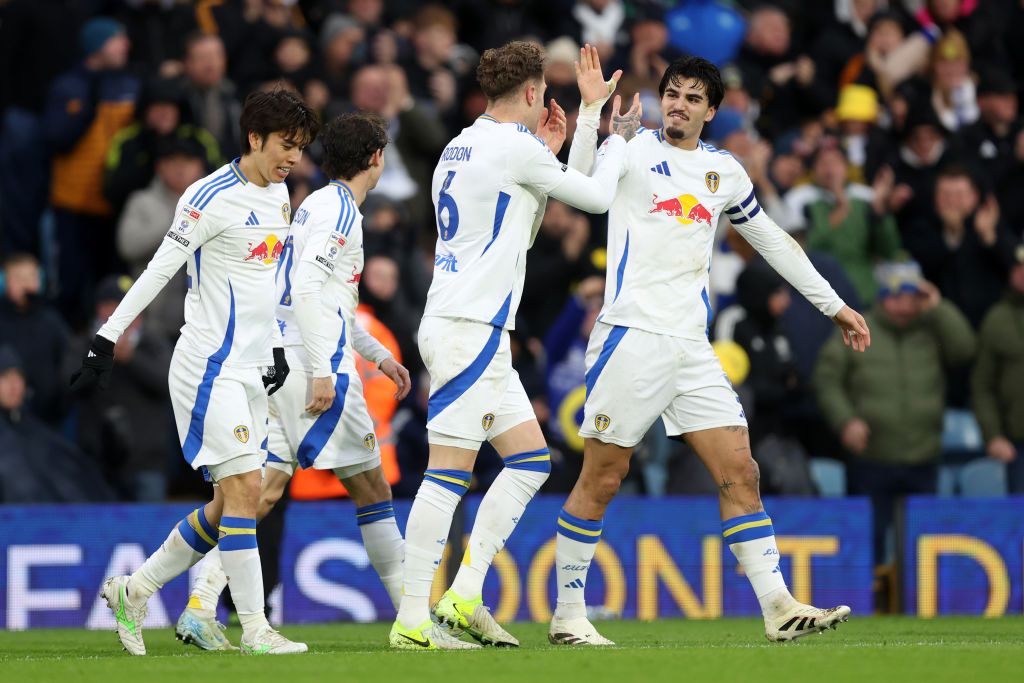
column 863, row 650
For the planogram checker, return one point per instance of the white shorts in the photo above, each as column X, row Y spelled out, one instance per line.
column 220, row 411
column 634, row 376
column 475, row 394
column 343, row 436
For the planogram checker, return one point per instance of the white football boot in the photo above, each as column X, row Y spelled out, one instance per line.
column 577, row 631
column 801, row 620
column 129, row 617
column 267, row 641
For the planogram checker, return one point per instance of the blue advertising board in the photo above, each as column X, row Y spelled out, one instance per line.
column 658, row 558
column 964, row 556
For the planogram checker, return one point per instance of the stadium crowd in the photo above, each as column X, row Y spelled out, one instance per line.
column 885, row 137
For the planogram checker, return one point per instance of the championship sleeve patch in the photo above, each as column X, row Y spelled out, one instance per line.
column 333, row 245
column 326, row 263
column 187, row 220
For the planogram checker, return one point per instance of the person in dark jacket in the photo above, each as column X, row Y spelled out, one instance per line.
column 997, row 383
column 127, row 428
column 160, row 115
column 887, row 405
column 37, row 333
column 36, row 464
column 85, row 109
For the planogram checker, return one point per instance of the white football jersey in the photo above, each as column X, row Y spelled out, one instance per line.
column 661, row 229
column 327, row 232
column 233, row 232
column 489, row 190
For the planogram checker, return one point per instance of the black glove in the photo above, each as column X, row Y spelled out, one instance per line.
column 96, row 367
column 276, row 374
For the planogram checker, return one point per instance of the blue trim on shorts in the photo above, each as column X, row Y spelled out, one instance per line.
column 460, row 384
column 194, row 440
column 320, row 433
column 610, row 344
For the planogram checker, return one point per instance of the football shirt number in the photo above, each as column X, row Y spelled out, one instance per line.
column 446, row 202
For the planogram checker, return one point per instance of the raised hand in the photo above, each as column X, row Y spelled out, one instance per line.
column 551, row 128
column 593, row 86
column 626, row 124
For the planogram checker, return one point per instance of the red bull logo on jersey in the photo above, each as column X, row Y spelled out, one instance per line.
column 267, row 251
column 685, row 208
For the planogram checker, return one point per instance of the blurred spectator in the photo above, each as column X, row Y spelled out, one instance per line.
column 874, row 66
column 849, row 221
column 839, row 42
column 990, row 140
column 127, row 428
column 491, row 23
column 763, row 296
column 439, row 70
column 560, row 75
column 37, row 334
column 647, row 53
column 922, row 152
column 34, row 49
column 379, row 292
column 866, row 146
column 776, row 73
column 953, row 95
column 688, row 24
column 294, row 63
column 997, row 383
column 37, row 465
column 387, row 232
column 979, row 22
column 961, row 244
column 155, row 28
column 558, row 257
column 86, row 107
column 887, row 404
column 146, row 218
column 342, row 49
column 1011, row 199
column 211, row 99
column 417, row 134
column 600, row 21
column 132, row 154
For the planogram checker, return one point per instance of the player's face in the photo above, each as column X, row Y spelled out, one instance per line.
column 376, row 168
column 276, row 157
column 685, row 109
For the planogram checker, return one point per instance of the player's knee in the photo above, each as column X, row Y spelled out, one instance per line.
column 605, row 484
column 744, row 471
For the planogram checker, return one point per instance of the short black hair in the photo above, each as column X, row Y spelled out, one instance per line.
column 277, row 111
column 349, row 141
column 697, row 69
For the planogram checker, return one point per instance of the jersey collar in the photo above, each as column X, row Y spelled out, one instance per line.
column 238, row 171
column 341, row 184
column 487, row 117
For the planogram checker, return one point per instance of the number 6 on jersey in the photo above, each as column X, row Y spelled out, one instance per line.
column 446, row 201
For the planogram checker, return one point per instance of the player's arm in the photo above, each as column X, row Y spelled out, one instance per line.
column 189, row 229
column 539, row 168
column 594, row 93
column 784, row 255
column 367, row 346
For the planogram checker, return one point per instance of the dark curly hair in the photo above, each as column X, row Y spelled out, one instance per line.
column 349, row 141
column 277, row 111
column 699, row 70
column 503, row 69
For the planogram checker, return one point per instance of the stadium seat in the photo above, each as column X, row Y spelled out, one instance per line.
column 829, row 476
column 983, row 477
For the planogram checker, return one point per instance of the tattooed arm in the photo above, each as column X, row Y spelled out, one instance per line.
column 626, row 124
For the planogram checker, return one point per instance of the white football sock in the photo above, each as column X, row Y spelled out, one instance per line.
column 208, row 585
column 497, row 517
column 426, row 534
column 187, row 543
column 241, row 559
column 751, row 539
column 384, row 546
column 575, row 545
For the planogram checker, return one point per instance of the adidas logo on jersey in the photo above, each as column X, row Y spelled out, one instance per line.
column 252, row 220
column 575, row 583
column 662, row 169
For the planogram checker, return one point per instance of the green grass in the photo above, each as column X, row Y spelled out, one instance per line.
column 864, row 650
